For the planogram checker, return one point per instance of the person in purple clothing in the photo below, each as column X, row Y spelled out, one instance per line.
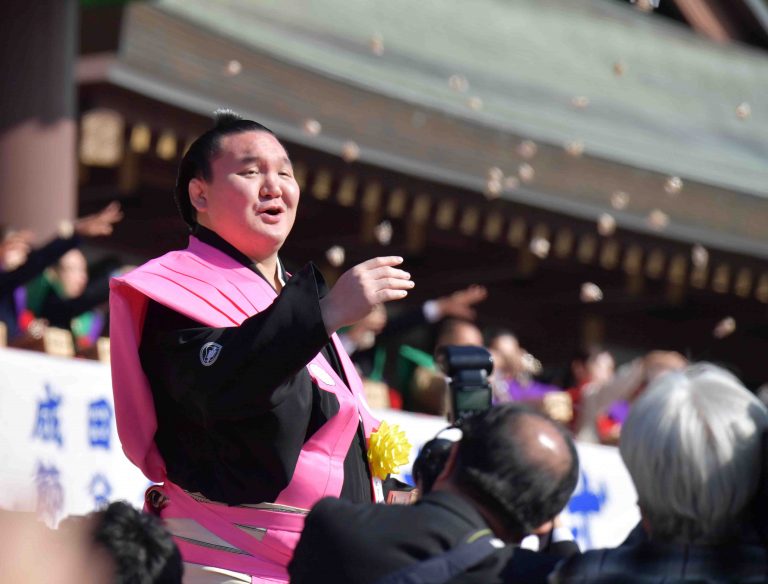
column 513, row 378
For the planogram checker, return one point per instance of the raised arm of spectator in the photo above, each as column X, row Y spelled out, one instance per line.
column 459, row 304
column 95, row 225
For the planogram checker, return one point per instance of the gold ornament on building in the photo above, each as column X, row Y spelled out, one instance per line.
column 141, row 136
column 321, row 188
column 166, row 145
column 564, row 243
column 721, row 279
column 396, row 204
column 761, row 290
column 493, row 225
column 743, row 285
column 446, row 211
column 609, row 254
column 586, row 248
column 470, row 220
column 516, row 232
column 347, row 191
column 101, row 138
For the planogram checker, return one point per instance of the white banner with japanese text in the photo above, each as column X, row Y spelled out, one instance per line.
column 58, row 441
column 61, row 455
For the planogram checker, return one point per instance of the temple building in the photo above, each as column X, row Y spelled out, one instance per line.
column 602, row 168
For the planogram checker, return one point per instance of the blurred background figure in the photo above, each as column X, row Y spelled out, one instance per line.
column 514, row 378
column 33, row 553
column 21, row 264
column 397, row 374
column 65, row 297
column 604, row 397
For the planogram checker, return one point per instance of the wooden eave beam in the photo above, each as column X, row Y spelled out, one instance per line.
column 709, row 18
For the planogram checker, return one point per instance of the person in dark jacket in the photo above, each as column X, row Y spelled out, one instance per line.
column 513, row 470
column 693, row 447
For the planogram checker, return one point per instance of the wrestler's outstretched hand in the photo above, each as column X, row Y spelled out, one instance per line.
column 361, row 288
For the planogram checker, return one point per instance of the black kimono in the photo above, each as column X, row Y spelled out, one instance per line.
column 217, row 435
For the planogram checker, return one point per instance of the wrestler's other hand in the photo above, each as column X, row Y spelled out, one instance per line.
column 361, row 288
column 101, row 223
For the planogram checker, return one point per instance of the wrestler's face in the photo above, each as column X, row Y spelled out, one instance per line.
column 252, row 196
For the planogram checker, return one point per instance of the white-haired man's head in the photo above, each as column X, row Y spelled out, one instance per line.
column 693, row 445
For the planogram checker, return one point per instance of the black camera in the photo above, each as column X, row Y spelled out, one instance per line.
column 467, row 369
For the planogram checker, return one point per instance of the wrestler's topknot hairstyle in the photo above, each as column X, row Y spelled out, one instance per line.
column 224, row 117
column 196, row 162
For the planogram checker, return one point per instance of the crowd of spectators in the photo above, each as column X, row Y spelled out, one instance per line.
column 52, row 286
column 691, row 436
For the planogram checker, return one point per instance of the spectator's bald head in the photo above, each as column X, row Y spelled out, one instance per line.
column 518, row 464
column 455, row 331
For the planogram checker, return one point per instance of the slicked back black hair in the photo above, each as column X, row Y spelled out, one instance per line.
column 494, row 466
column 196, row 163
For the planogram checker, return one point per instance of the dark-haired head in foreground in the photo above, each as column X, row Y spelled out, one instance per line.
column 517, row 465
column 141, row 550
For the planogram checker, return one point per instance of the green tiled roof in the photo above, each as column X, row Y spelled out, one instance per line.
column 673, row 110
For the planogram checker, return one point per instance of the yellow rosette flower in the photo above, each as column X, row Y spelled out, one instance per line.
column 388, row 450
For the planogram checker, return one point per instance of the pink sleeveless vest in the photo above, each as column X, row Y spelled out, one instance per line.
column 207, row 285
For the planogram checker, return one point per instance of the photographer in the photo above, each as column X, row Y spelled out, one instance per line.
column 512, row 471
